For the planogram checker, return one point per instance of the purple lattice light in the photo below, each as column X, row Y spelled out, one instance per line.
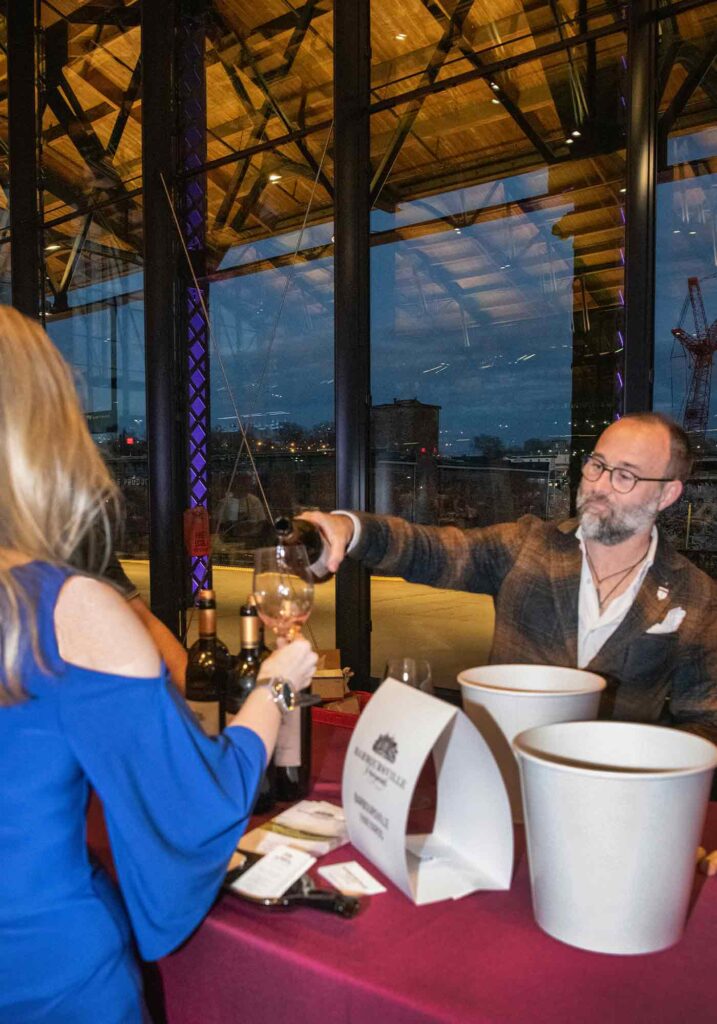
column 193, row 118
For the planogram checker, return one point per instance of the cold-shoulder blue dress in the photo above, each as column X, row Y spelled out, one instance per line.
column 175, row 804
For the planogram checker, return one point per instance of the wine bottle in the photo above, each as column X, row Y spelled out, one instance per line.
column 242, row 680
column 292, row 755
column 208, row 665
column 265, row 651
column 301, row 531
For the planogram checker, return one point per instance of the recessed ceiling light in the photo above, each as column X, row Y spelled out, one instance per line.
column 457, row 230
column 401, row 36
column 576, row 134
column 274, row 177
column 495, row 101
column 623, row 191
column 676, row 231
column 52, row 247
column 494, row 86
column 693, row 232
column 568, row 142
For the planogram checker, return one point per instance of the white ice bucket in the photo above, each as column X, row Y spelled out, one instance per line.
column 504, row 700
column 614, row 812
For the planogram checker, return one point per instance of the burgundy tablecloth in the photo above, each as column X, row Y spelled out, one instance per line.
column 480, row 959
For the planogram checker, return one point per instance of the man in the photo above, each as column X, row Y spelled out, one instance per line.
column 605, row 593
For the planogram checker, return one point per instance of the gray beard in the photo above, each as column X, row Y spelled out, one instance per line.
column 613, row 526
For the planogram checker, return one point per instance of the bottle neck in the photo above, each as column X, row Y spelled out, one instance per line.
column 207, row 623
column 250, row 632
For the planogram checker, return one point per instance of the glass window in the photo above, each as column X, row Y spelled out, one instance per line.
column 497, row 269
column 686, row 267
column 269, row 245
column 91, row 163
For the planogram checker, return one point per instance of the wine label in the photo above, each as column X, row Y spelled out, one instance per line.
column 287, row 753
column 207, row 714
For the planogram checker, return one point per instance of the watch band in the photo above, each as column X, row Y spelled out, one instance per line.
column 280, row 691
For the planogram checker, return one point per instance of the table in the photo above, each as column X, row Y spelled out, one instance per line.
column 480, row 959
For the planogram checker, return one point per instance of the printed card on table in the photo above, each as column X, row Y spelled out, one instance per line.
column 471, row 846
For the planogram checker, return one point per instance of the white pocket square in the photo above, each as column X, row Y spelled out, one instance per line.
column 670, row 623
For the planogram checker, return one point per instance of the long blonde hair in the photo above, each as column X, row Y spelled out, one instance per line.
column 56, row 495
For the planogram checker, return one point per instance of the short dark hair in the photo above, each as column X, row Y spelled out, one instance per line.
column 681, row 458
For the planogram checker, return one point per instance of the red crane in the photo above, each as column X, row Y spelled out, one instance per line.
column 700, row 348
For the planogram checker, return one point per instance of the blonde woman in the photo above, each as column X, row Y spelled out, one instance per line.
column 84, row 701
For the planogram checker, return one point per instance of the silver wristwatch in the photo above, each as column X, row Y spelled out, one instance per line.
column 281, row 693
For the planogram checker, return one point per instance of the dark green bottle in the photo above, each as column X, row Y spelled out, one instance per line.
column 208, row 666
column 242, row 680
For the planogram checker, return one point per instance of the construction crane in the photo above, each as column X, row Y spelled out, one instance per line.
column 700, row 348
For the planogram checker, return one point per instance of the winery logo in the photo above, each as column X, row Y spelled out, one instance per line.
column 387, row 747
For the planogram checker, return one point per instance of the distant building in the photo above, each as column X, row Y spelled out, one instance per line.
column 405, row 427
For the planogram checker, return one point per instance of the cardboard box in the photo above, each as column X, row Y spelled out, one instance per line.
column 330, row 680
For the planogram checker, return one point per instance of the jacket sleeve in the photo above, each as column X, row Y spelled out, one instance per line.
column 176, row 801
column 693, row 695
column 442, row 556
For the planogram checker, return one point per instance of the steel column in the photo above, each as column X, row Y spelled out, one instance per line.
column 352, row 168
column 167, row 493
column 25, row 221
column 640, row 205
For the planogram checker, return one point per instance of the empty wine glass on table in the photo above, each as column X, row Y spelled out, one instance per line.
column 415, row 672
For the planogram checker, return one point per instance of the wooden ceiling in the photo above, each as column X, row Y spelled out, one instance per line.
column 499, row 192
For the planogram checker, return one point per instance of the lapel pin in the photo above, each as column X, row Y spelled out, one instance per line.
column 662, row 593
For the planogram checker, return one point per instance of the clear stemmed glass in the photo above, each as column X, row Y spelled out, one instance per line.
column 414, row 672
column 283, row 588
column 284, row 593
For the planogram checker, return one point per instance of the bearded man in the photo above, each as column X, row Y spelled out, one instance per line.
column 605, row 592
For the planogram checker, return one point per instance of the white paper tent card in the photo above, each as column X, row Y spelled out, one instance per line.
column 471, row 846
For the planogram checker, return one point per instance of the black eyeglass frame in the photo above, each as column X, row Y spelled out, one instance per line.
column 604, row 468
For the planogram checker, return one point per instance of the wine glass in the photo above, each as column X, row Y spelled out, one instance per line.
column 283, row 588
column 414, row 672
column 284, row 595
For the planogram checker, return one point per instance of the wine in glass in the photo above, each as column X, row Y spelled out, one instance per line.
column 283, row 588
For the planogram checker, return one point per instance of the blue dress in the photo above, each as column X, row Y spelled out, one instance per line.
column 175, row 804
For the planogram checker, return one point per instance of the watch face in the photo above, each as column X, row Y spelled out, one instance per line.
column 288, row 694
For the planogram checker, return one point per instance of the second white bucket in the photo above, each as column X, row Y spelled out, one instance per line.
column 504, row 700
column 614, row 813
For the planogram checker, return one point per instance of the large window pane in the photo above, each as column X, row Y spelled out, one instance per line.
column 497, row 314
column 686, row 267
column 89, row 98
column 269, row 239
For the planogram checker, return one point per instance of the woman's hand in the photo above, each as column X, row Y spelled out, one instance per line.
column 295, row 662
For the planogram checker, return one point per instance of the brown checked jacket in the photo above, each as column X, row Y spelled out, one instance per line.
column 532, row 570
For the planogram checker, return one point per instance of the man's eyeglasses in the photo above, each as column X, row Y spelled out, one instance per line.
column 621, row 480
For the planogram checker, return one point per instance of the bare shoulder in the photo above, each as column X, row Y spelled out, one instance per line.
column 96, row 630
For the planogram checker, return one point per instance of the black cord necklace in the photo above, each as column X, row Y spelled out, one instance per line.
column 622, row 573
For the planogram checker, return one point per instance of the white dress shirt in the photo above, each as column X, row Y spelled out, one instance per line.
column 594, row 627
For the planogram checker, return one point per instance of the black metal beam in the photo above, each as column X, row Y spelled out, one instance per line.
column 25, row 222
column 451, row 28
column 697, row 64
column 507, row 94
column 640, row 205
column 352, row 374
column 495, row 67
column 167, row 471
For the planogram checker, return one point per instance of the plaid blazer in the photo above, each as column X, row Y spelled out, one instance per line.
column 532, row 570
